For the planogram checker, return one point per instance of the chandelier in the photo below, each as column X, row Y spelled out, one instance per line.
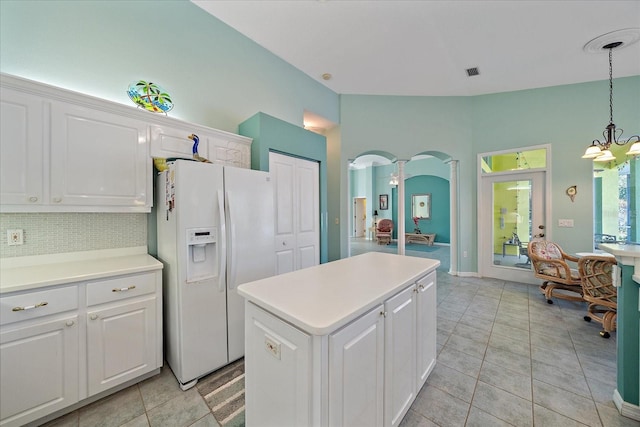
column 599, row 150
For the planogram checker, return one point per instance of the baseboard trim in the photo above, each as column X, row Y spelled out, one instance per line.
column 465, row 274
column 626, row 409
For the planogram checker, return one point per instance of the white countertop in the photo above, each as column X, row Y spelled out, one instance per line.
column 323, row 298
column 25, row 273
column 621, row 250
column 626, row 255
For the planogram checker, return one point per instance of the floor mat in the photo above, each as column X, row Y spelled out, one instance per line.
column 223, row 390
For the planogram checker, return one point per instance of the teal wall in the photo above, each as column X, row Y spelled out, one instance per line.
column 216, row 76
column 429, row 175
column 569, row 118
column 439, row 222
column 219, row 78
column 271, row 134
column 566, row 117
column 406, row 126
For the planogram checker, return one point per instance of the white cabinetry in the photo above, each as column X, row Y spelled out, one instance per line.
column 39, row 350
column 364, row 370
column 122, row 330
column 400, row 355
column 67, row 152
column 172, row 141
column 426, row 331
column 356, row 357
column 279, row 393
column 98, row 158
column 21, row 150
column 63, row 344
column 62, row 151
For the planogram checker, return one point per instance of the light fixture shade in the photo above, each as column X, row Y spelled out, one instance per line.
column 634, row 150
column 592, row 152
column 606, row 156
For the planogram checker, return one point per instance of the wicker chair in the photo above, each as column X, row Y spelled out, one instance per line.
column 599, row 292
column 550, row 263
column 384, row 230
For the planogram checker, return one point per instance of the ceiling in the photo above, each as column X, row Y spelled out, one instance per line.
column 424, row 47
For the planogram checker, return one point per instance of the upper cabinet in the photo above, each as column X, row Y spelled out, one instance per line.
column 98, row 159
column 61, row 151
column 171, row 140
column 21, row 151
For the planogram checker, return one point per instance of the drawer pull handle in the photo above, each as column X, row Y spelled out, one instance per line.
column 383, row 313
column 93, row 317
column 70, row 323
column 123, row 289
column 29, row 307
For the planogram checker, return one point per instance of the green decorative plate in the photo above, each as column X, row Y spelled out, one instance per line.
column 150, row 96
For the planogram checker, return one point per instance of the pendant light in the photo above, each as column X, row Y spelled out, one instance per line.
column 599, row 150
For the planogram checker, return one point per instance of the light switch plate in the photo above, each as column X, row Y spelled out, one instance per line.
column 565, row 223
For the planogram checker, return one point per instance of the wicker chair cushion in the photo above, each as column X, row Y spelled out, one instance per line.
column 552, row 270
column 548, row 251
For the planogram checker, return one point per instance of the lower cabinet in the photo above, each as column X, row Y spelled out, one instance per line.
column 120, row 343
column 48, row 336
column 367, row 373
column 400, row 355
column 356, row 372
column 39, row 369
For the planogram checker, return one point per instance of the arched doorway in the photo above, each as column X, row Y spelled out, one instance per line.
column 377, row 177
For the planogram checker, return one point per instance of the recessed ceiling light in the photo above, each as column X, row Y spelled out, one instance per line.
column 326, row 76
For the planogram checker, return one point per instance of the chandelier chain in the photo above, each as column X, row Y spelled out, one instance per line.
column 610, row 85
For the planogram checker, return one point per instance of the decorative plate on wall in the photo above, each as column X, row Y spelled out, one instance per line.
column 150, row 96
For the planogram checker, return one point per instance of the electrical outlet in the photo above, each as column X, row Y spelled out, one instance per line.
column 15, row 237
column 464, row 254
column 272, row 347
column 565, row 223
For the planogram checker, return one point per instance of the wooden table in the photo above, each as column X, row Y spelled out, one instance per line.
column 428, row 238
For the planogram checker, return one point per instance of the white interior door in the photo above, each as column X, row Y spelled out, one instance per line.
column 297, row 209
column 512, row 211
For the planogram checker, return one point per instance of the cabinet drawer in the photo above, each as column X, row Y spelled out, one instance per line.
column 120, row 288
column 31, row 305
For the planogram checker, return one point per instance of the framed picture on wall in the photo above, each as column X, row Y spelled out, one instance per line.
column 384, row 202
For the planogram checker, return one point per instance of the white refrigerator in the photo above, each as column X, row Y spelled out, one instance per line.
column 215, row 231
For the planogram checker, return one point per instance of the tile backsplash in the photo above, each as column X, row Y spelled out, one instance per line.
column 50, row 233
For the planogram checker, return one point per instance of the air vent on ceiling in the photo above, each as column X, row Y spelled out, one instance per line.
column 473, row 71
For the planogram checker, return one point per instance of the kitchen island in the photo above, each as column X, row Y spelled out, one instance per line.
column 627, row 394
column 349, row 342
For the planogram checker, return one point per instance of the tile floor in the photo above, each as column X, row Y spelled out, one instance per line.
column 505, row 358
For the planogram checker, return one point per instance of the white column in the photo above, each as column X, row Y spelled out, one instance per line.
column 453, row 206
column 401, row 206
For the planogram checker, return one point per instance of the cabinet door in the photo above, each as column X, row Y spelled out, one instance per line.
column 39, row 369
column 21, row 165
column 121, row 342
column 356, row 372
column 400, row 355
column 426, row 327
column 278, row 372
column 169, row 142
column 98, row 159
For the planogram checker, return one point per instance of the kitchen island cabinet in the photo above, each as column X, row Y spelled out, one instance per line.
column 76, row 327
column 345, row 343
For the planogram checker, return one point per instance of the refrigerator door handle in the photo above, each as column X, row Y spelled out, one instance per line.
column 232, row 247
column 222, row 262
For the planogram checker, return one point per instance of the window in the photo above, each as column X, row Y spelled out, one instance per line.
column 616, row 202
column 515, row 161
